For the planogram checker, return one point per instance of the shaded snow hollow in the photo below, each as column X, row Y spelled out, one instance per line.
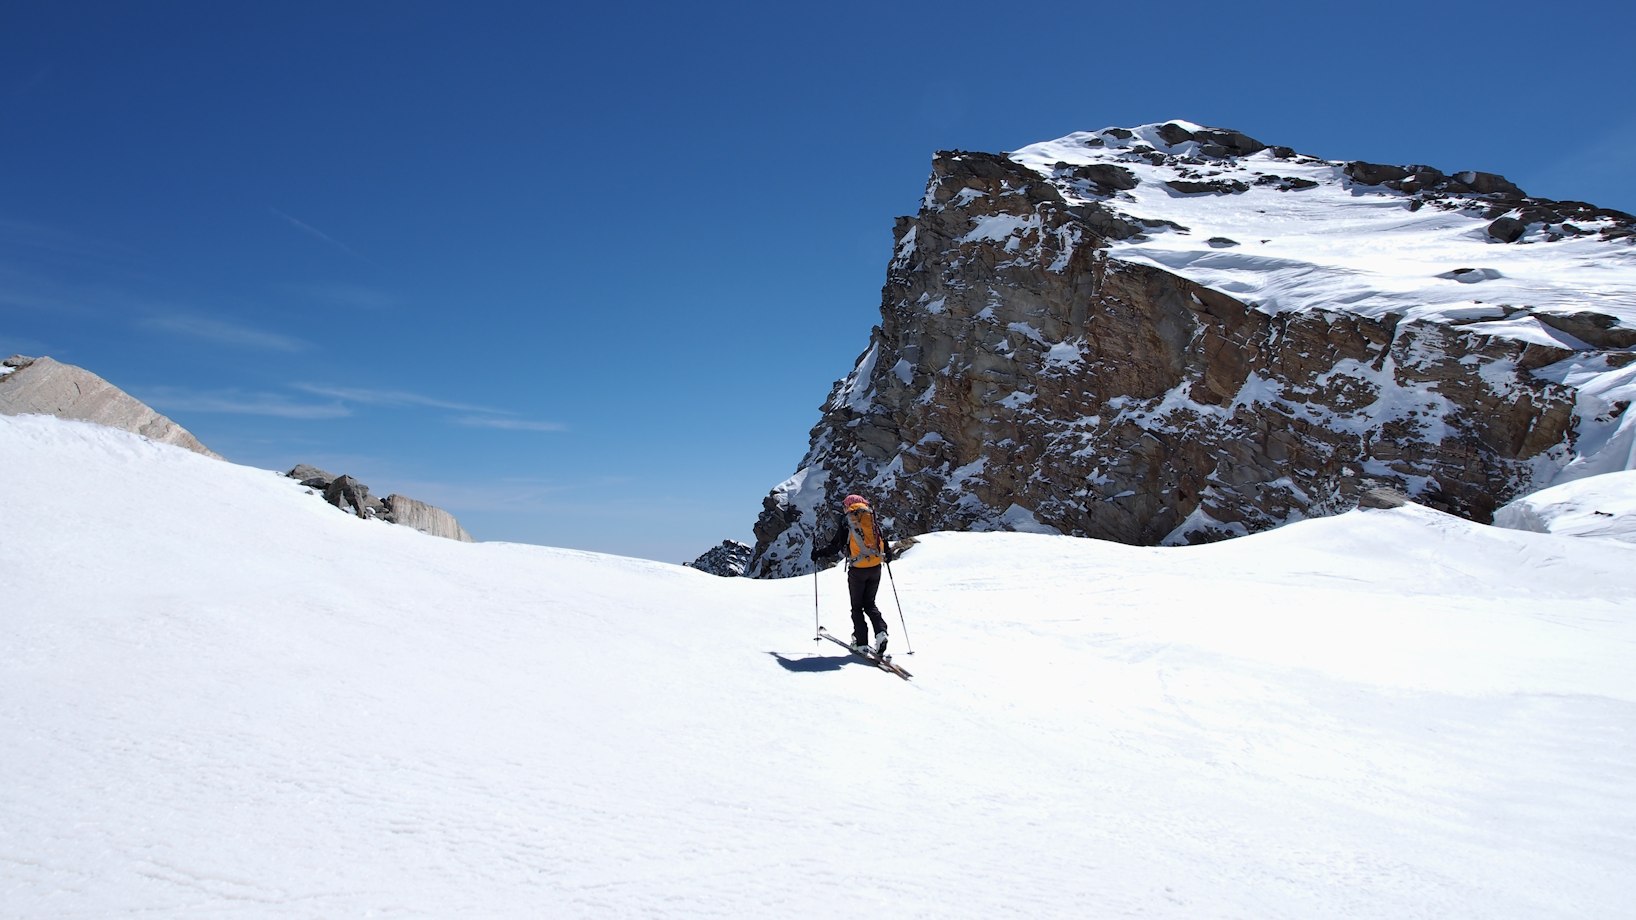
column 1599, row 506
column 221, row 697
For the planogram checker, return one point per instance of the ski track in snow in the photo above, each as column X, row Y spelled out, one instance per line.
column 222, row 697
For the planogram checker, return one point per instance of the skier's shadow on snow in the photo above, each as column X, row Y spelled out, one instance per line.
column 814, row 663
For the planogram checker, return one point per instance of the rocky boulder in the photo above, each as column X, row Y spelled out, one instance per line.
column 428, row 519
column 1213, row 142
column 1104, row 178
column 346, row 492
column 311, row 476
column 42, row 386
column 349, row 494
column 1206, row 186
column 1507, row 229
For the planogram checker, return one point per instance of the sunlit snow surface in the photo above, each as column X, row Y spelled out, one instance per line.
column 222, row 697
column 1344, row 246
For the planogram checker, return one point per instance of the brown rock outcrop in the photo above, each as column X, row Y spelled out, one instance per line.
column 1020, row 379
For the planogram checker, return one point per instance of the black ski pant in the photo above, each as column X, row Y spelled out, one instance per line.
column 863, row 584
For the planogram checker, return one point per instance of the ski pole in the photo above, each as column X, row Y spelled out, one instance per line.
column 894, row 583
column 817, row 627
column 910, row 646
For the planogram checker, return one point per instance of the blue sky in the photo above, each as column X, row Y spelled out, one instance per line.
column 584, row 278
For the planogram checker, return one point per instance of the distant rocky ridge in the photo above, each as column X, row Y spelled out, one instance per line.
column 1024, row 379
column 347, row 493
column 727, row 560
column 42, row 386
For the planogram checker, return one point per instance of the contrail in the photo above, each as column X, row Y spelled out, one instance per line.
column 314, row 231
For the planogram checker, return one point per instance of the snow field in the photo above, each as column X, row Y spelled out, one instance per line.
column 222, row 697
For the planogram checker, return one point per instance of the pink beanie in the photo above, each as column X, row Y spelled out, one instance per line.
column 851, row 500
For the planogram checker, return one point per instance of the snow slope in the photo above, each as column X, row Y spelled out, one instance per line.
column 223, row 697
column 1599, row 506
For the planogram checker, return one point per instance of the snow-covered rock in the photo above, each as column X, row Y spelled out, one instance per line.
column 726, row 559
column 47, row 387
column 1174, row 334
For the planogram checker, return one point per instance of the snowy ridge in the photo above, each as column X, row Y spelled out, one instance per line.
column 1296, row 232
column 1381, row 714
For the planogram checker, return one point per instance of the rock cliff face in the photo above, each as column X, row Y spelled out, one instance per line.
column 42, row 386
column 1051, row 358
column 428, row 519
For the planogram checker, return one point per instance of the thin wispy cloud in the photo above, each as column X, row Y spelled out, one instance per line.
column 505, row 423
column 225, row 333
column 236, row 402
column 472, row 416
column 318, row 234
column 391, row 398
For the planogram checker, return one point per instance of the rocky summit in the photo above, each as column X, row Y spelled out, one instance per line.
column 1175, row 334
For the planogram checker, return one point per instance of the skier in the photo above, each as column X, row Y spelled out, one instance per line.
column 868, row 545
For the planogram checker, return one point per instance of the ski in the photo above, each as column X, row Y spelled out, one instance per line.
column 884, row 663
